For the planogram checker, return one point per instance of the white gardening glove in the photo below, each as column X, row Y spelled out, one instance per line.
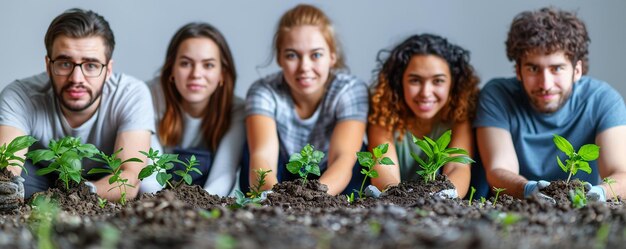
column 534, row 187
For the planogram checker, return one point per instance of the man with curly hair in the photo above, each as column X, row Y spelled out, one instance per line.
column 517, row 117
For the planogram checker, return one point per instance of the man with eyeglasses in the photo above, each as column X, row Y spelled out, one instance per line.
column 78, row 96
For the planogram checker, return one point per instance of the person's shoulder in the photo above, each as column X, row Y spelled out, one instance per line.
column 124, row 83
column 33, row 84
column 267, row 84
column 347, row 80
column 502, row 85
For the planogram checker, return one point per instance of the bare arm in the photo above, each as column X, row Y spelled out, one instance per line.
column 344, row 143
column 612, row 160
column 7, row 134
column 459, row 174
column 132, row 142
column 500, row 160
column 263, row 146
column 388, row 175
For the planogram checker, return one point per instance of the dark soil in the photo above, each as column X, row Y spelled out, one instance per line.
column 296, row 216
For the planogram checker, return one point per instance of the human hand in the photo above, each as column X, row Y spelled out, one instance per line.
column 11, row 194
column 447, row 194
column 594, row 193
column 532, row 188
column 372, row 191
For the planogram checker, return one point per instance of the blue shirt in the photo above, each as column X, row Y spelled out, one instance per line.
column 593, row 107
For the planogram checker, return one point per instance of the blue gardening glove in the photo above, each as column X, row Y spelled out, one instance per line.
column 447, row 194
column 265, row 193
column 594, row 193
column 533, row 188
column 372, row 191
column 92, row 188
column 11, row 194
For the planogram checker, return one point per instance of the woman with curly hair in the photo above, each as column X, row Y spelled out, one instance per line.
column 425, row 87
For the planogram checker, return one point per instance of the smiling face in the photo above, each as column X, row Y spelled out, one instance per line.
column 548, row 79
column 75, row 92
column 306, row 61
column 426, row 83
column 197, row 72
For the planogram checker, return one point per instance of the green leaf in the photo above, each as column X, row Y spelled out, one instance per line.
column 45, row 171
column 455, row 151
column 558, row 160
column 386, row 161
column 373, row 174
column 180, row 173
column 315, row 169
column 563, row 145
column 589, row 152
column 294, row 167
column 418, row 159
column 187, row 179
column 364, row 171
column 163, row 177
column 365, row 158
column 20, row 143
column 584, row 166
column 75, row 176
column 295, row 157
column 40, row 155
column 444, row 140
column 377, row 152
column 99, row 170
column 317, row 156
column 424, row 146
column 113, row 179
column 146, row 172
column 458, row 159
column 196, row 170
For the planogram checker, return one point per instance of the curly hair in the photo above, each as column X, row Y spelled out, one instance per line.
column 388, row 108
column 548, row 30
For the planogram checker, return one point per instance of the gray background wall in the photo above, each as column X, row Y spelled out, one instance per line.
column 144, row 27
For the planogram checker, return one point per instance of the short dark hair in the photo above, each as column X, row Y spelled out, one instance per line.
column 79, row 23
column 548, row 30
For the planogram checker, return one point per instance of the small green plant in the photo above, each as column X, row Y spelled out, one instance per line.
column 255, row 190
column 110, row 236
column 66, row 155
column 161, row 163
column 368, row 160
column 115, row 169
column 497, row 190
column 190, row 166
column 438, row 155
column 306, row 162
column 610, row 181
column 483, row 200
column 602, row 236
column 578, row 197
column 506, row 220
column 102, row 202
column 213, row 214
column 577, row 160
column 41, row 221
column 350, row 198
column 7, row 152
column 241, row 200
column 471, row 197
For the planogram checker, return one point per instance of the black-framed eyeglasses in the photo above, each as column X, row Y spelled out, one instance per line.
column 66, row 67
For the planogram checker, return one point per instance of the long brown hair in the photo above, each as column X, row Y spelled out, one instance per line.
column 216, row 120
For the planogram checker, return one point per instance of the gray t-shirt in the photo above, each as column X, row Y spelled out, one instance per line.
column 592, row 108
column 346, row 98
column 408, row 166
column 225, row 161
column 30, row 105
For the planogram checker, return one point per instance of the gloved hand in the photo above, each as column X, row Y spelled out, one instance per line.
column 371, row 191
column 11, row 194
column 533, row 187
column 447, row 194
column 265, row 193
column 594, row 193
column 92, row 188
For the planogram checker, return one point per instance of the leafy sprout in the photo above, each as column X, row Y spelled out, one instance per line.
column 577, row 160
column 115, row 169
column 306, row 162
column 7, row 152
column 578, row 197
column 438, row 155
column 241, row 200
column 161, row 163
column 368, row 160
column 471, row 197
column 610, row 181
column 66, row 155
column 497, row 190
column 255, row 190
column 190, row 166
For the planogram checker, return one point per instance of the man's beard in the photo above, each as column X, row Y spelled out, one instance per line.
column 73, row 108
column 548, row 108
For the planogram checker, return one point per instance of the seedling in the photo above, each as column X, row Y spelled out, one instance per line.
column 110, row 236
column 438, row 155
column 213, row 214
column 368, row 160
column 102, row 202
column 161, row 163
column 602, row 236
column 577, row 160
column 578, row 197
column 483, row 200
column 7, row 152
column 115, row 169
column 610, row 181
column 306, row 162
column 472, row 191
column 255, row 190
column 241, row 200
column 350, row 198
column 42, row 220
column 66, row 155
column 497, row 190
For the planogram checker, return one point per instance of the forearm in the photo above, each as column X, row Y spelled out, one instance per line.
column 512, row 182
column 338, row 175
column 459, row 175
column 385, row 180
column 257, row 163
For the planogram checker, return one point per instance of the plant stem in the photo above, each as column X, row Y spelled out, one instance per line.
column 570, row 173
column 362, row 185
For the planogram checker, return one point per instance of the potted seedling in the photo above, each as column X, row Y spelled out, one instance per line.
column 438, row 155
column 65, row 156
column 115, row 169
column 368, row 160
column 7, row 153
column 306, row 162
column 162, row 163
column 576, row 160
